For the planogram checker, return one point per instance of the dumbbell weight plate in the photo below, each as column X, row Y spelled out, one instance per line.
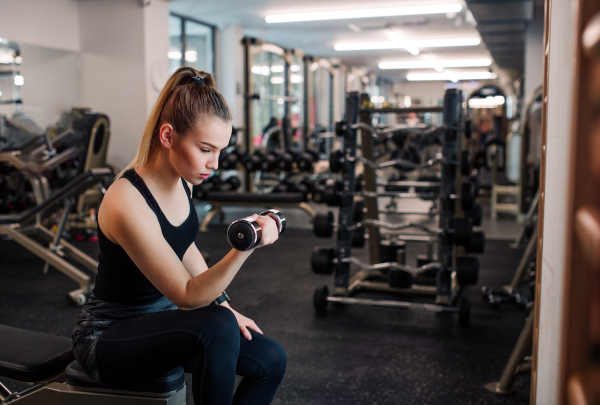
column 304, row 161
column 243, row 234
column 467, row 270
column 318, row 195
column 335, row 161
column 340, row 128
column 321, row 260
column 286, row 162
column 463, row 230
column 320, row 299
column 235, row 182
column 332, row 194
column 359, row 183
column 323, row 224
column 467, row 196
column 466, row 165
column 476, row 215
column 359, row 210
column 476, row 243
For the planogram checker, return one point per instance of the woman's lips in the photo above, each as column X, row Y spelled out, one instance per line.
column 204, row 176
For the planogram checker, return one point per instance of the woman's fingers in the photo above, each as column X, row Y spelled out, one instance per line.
column 270, row 231
column 245, row 332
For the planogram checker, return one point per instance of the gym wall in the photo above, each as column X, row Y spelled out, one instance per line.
column 560, row 92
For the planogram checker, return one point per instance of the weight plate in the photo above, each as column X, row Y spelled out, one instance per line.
column 323, row 224
column 321, row 260
column 467, row 270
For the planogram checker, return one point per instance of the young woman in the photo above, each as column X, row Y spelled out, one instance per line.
column 150, row 310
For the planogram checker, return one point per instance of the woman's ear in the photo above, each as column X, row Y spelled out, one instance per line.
column 166, row 134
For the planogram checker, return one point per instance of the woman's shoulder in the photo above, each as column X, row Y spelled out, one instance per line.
column 122, row 200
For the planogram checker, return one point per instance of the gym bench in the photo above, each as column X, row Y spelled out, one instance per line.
column 18, row 226
column 218, row 200
column 46, row 363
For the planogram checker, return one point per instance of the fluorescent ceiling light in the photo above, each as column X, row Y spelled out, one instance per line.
column 436, row 64
column 19, row 80
column 450, row 76
column 277, row 69
column 296, row 79
column 364, row 13
column 394, row 36
column 488, row 102
column 425, row 43
column 295, row 68
column 277, row 80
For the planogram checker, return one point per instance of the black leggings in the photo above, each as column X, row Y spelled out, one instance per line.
column 206, row 341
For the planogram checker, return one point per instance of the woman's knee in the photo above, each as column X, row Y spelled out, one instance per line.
column 273, row 359
column 215, row 324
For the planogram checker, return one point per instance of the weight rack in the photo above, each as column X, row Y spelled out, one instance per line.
column 447, row 288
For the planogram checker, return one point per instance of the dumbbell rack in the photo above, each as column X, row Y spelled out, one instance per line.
column 447, row 289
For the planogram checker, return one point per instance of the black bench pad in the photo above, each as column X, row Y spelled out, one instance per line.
column 32, row 356
column 170, row 381
column 281, row 198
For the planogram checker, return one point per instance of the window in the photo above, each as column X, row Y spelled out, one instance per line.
column 191, row 44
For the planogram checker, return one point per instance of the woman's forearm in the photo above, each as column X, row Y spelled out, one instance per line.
column 206, row 286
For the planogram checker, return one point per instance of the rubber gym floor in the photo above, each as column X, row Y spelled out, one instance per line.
column 351, row 355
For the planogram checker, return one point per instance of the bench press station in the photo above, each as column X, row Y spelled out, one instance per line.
column 46, row 363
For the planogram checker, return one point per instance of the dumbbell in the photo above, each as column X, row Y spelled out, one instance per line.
column 252, row 162
column 304, row 161
column 476, row 215
column 270, row 161
column 201, row 191
column 244, row 234
column 318, row 192
column 230, row 160
column 467, row 270
column 231, row 184
column 466, row 163
column 394, row 188
column 324, row 225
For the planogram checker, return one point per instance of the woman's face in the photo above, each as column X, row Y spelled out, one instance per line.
column 196, row 155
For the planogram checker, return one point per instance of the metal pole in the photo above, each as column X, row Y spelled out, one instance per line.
column 246, row 42
column 367, row 148
column 515, row 362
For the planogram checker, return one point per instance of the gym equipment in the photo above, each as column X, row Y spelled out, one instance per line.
column 229, row 161
column 245, row 234
column 451, row 230
column 252, row 162
column 461, row 233
column 518, row 363
column 511, row 293
column 19, row 226
column 46, row 362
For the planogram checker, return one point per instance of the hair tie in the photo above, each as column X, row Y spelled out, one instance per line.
column 198, row 80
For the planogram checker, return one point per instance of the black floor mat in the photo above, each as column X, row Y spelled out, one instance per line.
column 351, row 355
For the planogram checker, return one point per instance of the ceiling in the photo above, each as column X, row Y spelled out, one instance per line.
column 318, row 38
column 502, row 25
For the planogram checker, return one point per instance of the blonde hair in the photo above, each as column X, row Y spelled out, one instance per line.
column 180, row 103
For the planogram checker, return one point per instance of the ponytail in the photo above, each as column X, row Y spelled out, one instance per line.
column 188, row 95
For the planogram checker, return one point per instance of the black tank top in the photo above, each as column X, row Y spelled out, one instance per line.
column 119, row 279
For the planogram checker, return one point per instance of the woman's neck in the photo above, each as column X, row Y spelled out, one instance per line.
column 160, row 173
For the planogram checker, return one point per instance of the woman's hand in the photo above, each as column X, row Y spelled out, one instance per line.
column 270, row 231
column 244, row 324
